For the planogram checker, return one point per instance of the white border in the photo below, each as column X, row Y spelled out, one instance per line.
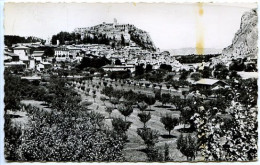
column 2, row 160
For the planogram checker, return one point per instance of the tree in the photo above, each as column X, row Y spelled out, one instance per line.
column 142, row 106
column 103, row 99
column 169, row 122
column 118, row 62
column 148, row 68
column 123, row 40
column 196, row 76
column 114, row 101
column 109, row 110
column 150, row 101
column 186, row 114
column 166, row 97
column 188, row 146
column 184, row 75
column 166, row 67
column 166, row 152
column 125, row 110
column 120, row 126
column 177, row 102
column 149, row 136
column 144, row 117
column 139, row 70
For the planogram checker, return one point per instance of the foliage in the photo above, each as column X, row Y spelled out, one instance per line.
column 166, row 97
column 150, row 101
column 125, row 110
column 166, row 152
column 109, row 110
column 142, row 106
column 68, row 136
column 96, row 62
column 196, row 76
column 166, row 67
column 187, row 146
column 65, row 37
column 144, row 117
column 9, row 40
column 169, row 122
column 149, row 136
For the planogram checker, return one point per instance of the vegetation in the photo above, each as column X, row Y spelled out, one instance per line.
column 169, row 122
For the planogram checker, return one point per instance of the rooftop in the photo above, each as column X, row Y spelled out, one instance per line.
column 206, row 81
column 21, row 47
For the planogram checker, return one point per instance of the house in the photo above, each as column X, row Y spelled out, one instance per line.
column 119, row 68
column 15, row 64
column 38, row 56
column 43, row 65
column 209, row 83
column 61, row 54
column 8, row 57
column 23, row 53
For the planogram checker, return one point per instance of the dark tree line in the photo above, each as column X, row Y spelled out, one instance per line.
column 97, row 62
column 195, row 58
column 10, row 39
column 64, row 37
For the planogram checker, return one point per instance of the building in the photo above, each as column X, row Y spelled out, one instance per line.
column 38, row 56
column 23, row 52
column 43, row 65
column 61, row 54
column 119, row 68
column 209, row 83
column 8, row 57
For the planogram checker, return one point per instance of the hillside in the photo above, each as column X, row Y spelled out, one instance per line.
column 244, row 43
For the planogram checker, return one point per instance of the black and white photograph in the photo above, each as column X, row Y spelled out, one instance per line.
column 130, row 82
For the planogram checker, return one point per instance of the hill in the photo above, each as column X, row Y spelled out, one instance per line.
column 116, row 34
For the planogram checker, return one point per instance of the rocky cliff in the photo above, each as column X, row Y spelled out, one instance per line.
column 244, row 43
column 117, row 34
column 142, row 39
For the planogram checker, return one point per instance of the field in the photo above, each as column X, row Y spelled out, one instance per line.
column 134, row 148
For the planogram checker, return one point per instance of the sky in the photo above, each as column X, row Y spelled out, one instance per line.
column 171, row 26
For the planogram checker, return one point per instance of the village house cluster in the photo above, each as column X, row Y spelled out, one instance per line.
column 28, row 55
column 21, row 57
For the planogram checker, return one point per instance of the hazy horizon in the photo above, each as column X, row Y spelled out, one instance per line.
column 171, row 26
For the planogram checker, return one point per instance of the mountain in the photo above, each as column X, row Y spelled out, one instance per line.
column 190, row 51
column 244, row 44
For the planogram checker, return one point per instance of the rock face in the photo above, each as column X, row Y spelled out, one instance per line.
column 142, row 38
column 244, row 43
